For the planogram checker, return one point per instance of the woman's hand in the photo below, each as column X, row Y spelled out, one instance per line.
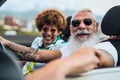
column 3, row 40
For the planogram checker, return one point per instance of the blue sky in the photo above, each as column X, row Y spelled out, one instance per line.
column 97, row 6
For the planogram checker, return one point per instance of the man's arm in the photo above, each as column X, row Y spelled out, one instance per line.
column 82, row 60
column 30, row 54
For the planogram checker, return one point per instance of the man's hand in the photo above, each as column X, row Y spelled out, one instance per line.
column 50, row 72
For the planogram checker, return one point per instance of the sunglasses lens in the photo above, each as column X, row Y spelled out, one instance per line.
column 88, row 22
column 53, row 30
column 75, row 23
column 45, row 29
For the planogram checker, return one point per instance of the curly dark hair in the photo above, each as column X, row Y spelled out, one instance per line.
column 51, row 17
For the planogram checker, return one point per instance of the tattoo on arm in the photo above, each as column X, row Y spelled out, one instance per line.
column 30, row 54
column 23, row 52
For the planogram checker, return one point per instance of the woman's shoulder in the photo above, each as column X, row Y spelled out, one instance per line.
column 38, row 38
column 60, row 41
column 37, row 42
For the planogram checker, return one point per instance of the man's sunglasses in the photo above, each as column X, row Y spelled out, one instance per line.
column 86, row 21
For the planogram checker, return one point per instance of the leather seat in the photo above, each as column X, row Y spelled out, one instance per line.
column 111, row 22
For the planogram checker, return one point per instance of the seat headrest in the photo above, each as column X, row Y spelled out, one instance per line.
column 111, row 22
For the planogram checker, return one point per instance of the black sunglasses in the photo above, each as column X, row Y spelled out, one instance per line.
column 87, row 22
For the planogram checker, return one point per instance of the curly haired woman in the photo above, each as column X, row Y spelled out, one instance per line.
column 50, row 23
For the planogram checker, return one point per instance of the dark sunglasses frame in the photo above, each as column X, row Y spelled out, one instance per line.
column 86, row 21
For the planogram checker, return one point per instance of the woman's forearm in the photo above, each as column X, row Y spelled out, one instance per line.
column 30, row 54
column 23, row 52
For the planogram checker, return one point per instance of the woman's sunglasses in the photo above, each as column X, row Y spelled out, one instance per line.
column 86, row 21
column 52, row 30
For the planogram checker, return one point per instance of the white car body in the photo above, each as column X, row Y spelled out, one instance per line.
column 99, row 74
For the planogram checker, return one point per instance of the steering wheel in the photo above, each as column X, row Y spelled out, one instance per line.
column 9, row 68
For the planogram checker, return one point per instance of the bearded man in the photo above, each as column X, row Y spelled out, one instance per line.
column 84, row 28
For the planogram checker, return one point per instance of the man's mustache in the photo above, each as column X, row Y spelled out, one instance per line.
column 81, row 32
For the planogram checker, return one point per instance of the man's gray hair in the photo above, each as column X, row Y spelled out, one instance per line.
column 84, row 10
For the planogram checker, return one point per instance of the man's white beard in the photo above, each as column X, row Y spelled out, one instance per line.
column 74, row 44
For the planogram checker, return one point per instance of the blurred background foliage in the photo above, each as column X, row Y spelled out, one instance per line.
column 19, row 32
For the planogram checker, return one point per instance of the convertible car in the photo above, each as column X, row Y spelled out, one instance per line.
column 10, row 69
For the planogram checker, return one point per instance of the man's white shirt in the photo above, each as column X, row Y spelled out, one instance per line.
column 105, row 46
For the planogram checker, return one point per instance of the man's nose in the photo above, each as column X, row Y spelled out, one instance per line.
column 82, row 25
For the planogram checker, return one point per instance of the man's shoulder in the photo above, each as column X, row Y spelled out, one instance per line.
column 103, row 44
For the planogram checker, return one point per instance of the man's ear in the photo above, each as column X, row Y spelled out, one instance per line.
column 96, row 27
